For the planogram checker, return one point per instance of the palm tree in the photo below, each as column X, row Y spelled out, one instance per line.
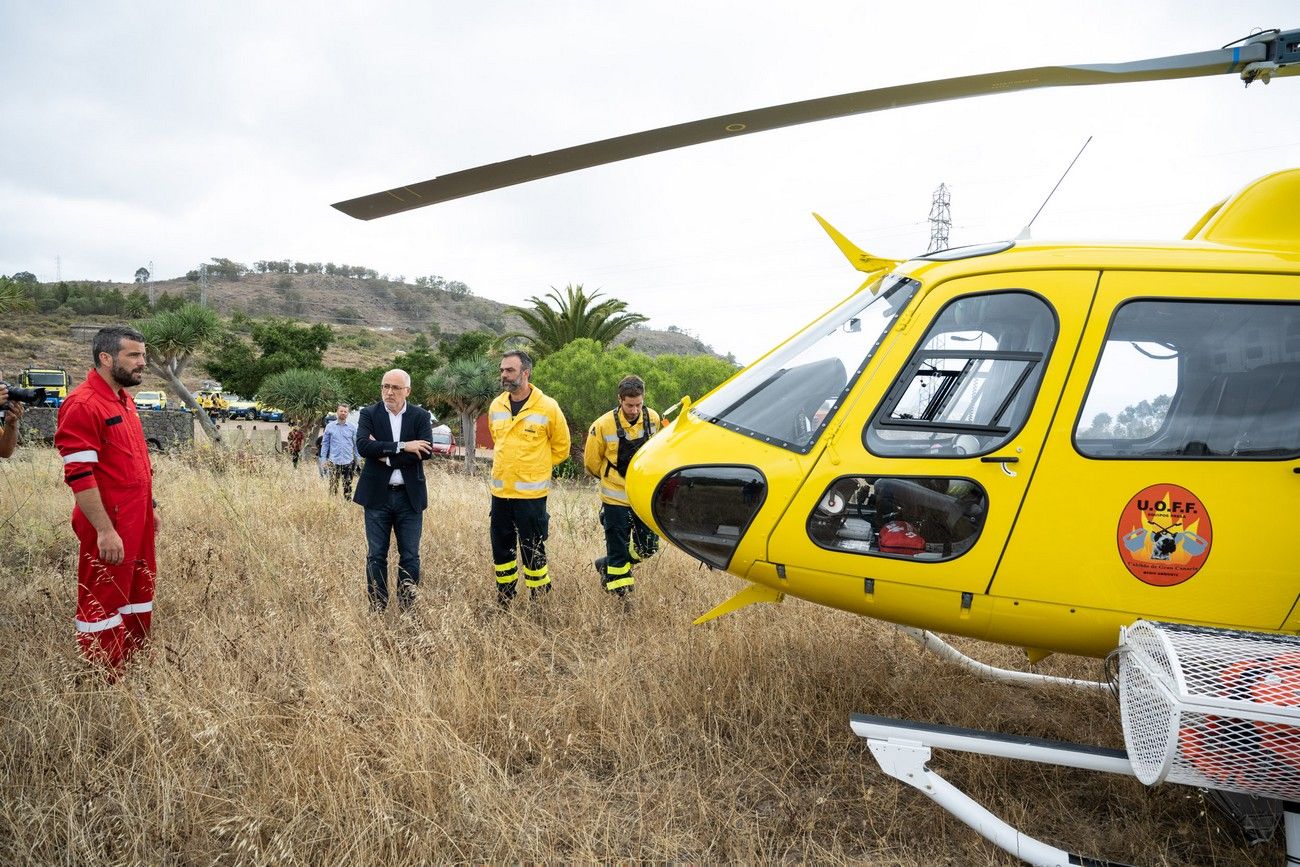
column 572, row 316
column 171, row 339
column 468, row 386
column 13, row 297
column 305, row 395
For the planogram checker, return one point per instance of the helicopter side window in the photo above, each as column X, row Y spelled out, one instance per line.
column 788, row 398
column 1205, row 380
column 970, row 385
column 922, row 518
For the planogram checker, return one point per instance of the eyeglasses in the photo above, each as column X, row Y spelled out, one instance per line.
column 387, row 387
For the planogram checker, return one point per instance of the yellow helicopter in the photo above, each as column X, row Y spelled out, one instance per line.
column 1035, row 444
column 928, row 451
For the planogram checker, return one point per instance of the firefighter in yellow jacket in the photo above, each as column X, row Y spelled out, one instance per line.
column 612, row 441
column 530, row 436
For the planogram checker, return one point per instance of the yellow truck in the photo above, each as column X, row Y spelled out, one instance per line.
column 54, row 380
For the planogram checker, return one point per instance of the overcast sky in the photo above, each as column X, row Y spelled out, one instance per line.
column 173, row 132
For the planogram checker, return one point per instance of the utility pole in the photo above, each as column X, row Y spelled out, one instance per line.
column 58, row 268
column 203, row 285
column 151, row 290
column 940, row 220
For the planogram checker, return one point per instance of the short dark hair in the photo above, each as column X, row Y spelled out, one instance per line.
column 110, row 340
column 631, row 386
column 525, row 360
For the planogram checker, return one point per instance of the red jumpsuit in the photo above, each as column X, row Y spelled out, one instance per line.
column 102, row 444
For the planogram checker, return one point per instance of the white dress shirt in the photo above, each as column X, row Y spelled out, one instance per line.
column 395, row 422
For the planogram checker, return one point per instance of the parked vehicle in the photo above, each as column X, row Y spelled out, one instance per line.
column 54, row 380
column 269, row 413
column 444, row 443
column 213, row 401
column 155, row 400
column 238, row 407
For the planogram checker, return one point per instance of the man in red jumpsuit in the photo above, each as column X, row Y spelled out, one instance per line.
column 106, row 463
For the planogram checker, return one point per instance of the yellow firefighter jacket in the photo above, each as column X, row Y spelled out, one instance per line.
column 526, row 445
column 600, row 455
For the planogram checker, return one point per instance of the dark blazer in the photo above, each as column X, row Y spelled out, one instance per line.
column 375, row 441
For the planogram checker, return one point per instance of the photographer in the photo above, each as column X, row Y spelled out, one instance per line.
column 12, row 412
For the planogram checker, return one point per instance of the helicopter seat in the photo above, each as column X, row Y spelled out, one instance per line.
column 1254, row 412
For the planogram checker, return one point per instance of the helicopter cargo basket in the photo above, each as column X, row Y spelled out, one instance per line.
column 1212, row 707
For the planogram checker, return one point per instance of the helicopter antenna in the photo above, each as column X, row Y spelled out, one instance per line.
column 1024, row 233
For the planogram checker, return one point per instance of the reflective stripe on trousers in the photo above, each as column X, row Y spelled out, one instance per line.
column 507, row 572
column 534, row 578
column 618, row 577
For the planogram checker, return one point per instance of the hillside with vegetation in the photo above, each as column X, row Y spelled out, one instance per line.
column 355, row 299
column 305, row 368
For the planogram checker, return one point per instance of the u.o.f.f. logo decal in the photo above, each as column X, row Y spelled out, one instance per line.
column 1164, row 535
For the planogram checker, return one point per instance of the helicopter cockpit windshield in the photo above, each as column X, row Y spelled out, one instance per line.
column 787, row 398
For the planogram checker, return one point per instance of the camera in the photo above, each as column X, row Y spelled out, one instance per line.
column 31, row 396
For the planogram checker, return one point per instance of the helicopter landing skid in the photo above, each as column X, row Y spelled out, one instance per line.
column 903, row 747
column 937, row 645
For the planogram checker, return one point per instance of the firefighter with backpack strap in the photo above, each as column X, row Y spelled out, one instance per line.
column 611, row 442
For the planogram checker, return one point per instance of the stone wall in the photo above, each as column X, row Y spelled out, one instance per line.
column 163, row 430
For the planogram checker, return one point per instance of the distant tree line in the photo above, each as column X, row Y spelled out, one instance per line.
column 289, row 266
column 227, row 269
column 85, row 298
column 1134, row 422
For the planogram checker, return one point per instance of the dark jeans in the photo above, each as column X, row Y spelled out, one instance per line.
column 394, row 518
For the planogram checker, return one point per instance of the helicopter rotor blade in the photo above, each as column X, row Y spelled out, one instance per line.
column 1274, row 53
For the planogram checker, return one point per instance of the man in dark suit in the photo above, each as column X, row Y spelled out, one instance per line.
column 394, row 437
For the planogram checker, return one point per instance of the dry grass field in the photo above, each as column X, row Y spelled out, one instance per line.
column 277, row 721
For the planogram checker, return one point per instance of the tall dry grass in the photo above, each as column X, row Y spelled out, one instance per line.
column 278, row 721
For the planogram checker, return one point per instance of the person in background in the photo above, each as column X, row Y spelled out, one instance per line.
column 531, row 436
column 106, row 464
column 338, row 449
column 296, row 438
column 612, row 441
column 9, row 422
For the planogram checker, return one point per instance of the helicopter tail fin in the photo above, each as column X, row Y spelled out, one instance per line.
column 858, row 258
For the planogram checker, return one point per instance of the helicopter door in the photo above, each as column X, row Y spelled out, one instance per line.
column 1167, row 486
column 922, row 478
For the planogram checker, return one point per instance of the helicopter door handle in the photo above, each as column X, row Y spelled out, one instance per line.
column 1005, row 461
